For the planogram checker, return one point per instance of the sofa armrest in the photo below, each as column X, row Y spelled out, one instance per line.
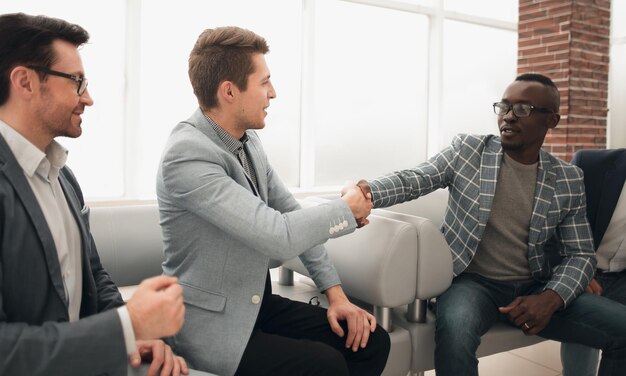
column 434, row 258
column 376, row 263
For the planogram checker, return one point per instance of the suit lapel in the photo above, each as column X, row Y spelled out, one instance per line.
column 544, row 194
column 258, row 165
column 489, row 170
column 15, row 175
column 611, row 188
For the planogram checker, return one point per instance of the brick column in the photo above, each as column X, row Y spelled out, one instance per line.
column 569, row 42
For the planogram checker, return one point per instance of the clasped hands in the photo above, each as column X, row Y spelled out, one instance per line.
column 359, row 198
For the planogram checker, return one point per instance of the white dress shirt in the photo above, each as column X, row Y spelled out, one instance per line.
column 611, row 253
column 42, row 173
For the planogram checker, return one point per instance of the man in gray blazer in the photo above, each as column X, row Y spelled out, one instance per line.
column 225, row 214
column 60, row 313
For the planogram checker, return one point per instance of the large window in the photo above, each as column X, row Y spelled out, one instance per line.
column 364, row 86
column 370, row 91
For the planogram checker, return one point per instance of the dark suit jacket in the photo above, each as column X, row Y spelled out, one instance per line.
column 35, row 335
column 605, row 173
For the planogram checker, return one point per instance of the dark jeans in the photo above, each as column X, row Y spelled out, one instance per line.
column 294, row 338
column 469, row 308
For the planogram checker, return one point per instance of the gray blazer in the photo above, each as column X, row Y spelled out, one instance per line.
column 35, row 336
column 219, row 237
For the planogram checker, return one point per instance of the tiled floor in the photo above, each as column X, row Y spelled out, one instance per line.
column 542, row 359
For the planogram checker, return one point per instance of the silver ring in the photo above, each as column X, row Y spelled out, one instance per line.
column 526, row 326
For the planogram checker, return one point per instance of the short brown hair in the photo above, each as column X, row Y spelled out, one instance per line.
column 222, row 54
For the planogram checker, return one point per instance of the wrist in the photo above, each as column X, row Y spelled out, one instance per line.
column 335, row 294
column 365, row 188
column 555, row 300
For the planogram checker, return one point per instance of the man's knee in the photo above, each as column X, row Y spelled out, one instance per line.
column 377, row 349
column 326, row 360
column 453, row 328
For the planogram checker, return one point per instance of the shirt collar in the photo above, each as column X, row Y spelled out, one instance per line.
column 30, row 158
column 231, row 142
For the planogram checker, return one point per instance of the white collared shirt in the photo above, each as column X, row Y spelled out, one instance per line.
column 611, row 253
column 42, row 173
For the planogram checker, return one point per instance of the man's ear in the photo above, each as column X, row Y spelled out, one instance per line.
column 227, row 91
column 22, row 80
column 553, row 120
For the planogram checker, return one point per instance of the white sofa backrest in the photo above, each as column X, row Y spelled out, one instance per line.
column 431, row 206
column 128, row 239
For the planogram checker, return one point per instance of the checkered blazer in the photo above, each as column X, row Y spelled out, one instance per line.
column 469, row 168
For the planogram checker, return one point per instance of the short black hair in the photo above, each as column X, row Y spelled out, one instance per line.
column 27, row 40
column 536, row 77
column 545, row 81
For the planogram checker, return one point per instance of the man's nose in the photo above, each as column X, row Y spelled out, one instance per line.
column 86, row 98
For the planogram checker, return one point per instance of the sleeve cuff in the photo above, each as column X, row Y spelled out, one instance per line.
column 127, row 327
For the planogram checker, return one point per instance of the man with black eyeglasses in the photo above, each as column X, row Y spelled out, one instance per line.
column 60, row 313
column 507, row 198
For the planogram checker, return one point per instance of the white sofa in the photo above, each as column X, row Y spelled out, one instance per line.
column 392, row 266
column 432, row 264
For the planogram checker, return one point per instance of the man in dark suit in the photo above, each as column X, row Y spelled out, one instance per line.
column 56, row 299
column 605, row 173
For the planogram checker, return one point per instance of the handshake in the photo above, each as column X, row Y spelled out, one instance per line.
column 359, row 198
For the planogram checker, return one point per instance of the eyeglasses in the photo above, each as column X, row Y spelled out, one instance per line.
column 519, row 109
column 80, row 80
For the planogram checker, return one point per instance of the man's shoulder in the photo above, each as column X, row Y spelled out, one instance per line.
column 187, row 137
column 564, row 171
column 476, row 139
column 476, row 143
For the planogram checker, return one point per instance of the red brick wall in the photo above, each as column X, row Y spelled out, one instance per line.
column 569, row 42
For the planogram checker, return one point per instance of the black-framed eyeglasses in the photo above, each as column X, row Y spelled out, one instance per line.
column 519, row 109
column 80, row 80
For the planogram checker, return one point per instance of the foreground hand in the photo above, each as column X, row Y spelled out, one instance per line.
column 156, row 308
column 160, row 356
column 594, row 287
column 533, row 312
column 360, row 322
column 359, row 202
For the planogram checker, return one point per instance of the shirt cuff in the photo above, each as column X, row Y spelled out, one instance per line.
column 127, row 328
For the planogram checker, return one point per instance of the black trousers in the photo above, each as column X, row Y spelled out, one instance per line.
column 294, row 338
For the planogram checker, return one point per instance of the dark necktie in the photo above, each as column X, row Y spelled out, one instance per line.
column 245, row 163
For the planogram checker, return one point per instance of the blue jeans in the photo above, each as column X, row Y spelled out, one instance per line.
column 580, row 360
column 469, row 308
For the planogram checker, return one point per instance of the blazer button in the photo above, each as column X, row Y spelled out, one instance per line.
column 256, row 299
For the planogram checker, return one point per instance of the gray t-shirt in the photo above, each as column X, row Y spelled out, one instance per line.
column 503, row 250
